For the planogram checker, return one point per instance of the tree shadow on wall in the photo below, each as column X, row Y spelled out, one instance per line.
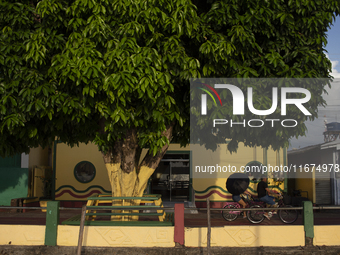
column 13, row 184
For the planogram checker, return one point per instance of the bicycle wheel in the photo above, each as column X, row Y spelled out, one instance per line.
column 227, row 215
column 288, row 216
column 255, row 216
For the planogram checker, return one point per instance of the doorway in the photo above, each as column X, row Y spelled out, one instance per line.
column 171, row 178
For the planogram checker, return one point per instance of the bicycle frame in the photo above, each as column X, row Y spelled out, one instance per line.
column 286, row 216
column 249, row 203
column 237, row 205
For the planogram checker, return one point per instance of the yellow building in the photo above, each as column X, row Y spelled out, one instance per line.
column 80, row 172
column 318, row 174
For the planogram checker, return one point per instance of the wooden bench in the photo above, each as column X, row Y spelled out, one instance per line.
column 123, row 208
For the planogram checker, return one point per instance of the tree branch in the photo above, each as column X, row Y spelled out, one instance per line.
column 128, row 150
column 153, row 161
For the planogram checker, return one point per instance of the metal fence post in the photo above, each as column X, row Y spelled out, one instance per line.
column 179, row 224
column 52, row 221
column 308, row 222
column 81, row 229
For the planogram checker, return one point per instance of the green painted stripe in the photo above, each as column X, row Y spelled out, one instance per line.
column 82, row 191
column 220, row 201
column 252, row 190
column 212, row 187
column 223, row 190
column 217, row 187
column 269, row 186
column 132, row 207
column 134, row 214
column 126, row 198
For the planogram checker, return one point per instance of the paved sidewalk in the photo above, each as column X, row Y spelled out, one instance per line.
column 58, row 250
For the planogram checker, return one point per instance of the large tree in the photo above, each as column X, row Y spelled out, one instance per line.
column 117, row 72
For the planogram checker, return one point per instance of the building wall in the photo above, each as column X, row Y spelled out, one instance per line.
column 17, row 173
column 307, row 187
column 214, row 185
column 37, row 163
column 38, row 157
column 68, row 188
column 314, row 183
column 13, row 184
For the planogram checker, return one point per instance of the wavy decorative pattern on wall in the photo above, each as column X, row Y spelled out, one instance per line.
column 224, row 194
column 83, row 191
column 211, row 193
column 223, row 190
column 212, row 187
column 211, row 190
column 68, row 189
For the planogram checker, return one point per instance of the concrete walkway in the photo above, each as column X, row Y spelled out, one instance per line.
column 57, row 250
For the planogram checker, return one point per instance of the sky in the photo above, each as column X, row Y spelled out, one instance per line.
column 330, row 113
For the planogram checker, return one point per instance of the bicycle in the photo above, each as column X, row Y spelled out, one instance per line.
column 257, row 216
column 232, row 215
column 286, row 216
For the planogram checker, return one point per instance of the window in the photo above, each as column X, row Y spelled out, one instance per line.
column 84, row 172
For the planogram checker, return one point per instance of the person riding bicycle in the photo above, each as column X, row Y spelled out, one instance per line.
column 262, row 193
column 238, row 199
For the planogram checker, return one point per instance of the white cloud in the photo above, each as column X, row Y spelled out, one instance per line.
column 335, row 73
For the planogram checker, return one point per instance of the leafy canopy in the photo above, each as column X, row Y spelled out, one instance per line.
column 89, row 70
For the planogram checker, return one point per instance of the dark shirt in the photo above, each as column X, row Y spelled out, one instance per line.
column 261, row 189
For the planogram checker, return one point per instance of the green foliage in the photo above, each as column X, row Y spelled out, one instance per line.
column 73, row 69
column 247, row 127
column 266, row 39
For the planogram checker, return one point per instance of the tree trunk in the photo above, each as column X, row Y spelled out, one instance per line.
column 127, row 177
